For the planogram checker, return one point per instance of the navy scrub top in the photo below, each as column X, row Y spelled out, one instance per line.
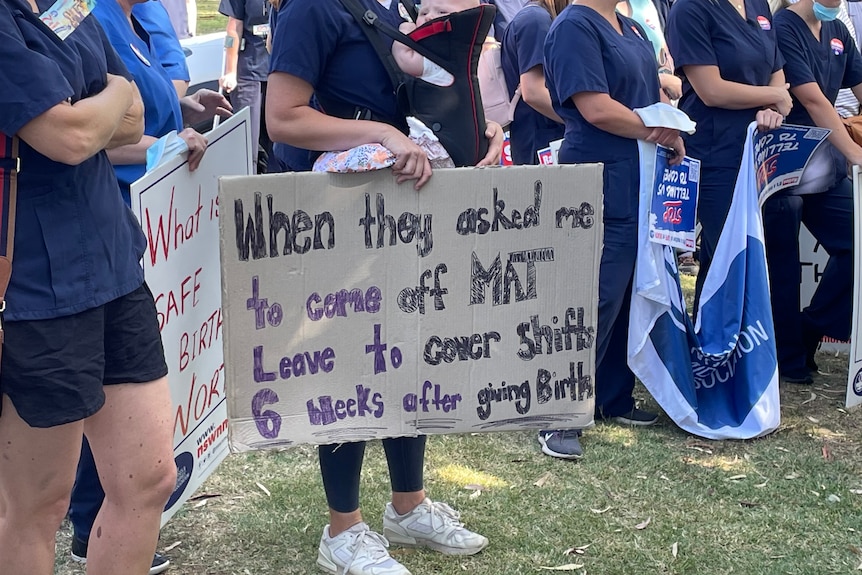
column 712, row 33
column 833, row 61
column 522, row 50
column 162, row 112
column 77, row 246
column 253, row 59
column 163, row 38
column 584, row 53
column 320, row 42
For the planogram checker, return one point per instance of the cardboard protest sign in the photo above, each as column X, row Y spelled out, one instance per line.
column 179, row 212
column 673, row 211
column 854, row 373
column 781, row 156
column 357, row 308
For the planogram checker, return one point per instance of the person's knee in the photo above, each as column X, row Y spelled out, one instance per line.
column 149, row 484
column 43, row 509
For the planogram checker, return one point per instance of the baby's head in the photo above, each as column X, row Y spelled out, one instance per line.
column 431, row 9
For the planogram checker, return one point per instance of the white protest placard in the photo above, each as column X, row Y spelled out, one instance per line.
column 357, row 308
column 179, row 212
column 813, row 259
column 854, row 373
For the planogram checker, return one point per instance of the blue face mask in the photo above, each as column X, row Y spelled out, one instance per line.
column 824, row 13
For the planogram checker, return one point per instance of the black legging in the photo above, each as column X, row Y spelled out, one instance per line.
column 340, row 465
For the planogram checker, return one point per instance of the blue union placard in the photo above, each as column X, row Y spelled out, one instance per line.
column 673, row 209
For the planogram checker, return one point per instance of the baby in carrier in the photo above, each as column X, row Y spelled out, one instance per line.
column 449, row 124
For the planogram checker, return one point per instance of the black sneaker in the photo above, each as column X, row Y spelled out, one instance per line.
column 801, row 376
column 160, row 563
column 563, row 444
column 637, row 417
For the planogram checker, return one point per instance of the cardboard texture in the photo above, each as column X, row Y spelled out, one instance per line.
column 179, row 213
column 356, row 308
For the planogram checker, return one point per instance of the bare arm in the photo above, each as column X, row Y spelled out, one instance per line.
column 408, row 59
column 181, row 87
column 717, row 92
column 131, row 128
column 231, row 54
column 290, row 120
column 72, row 133
column 535, row 93
column 605, row 113
column 824, row 115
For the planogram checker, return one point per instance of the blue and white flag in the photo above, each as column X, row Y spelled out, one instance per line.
column 717, row 378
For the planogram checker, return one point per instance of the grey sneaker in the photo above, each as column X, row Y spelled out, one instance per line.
column 563, row 444
column 357, row 551
column 434, row 525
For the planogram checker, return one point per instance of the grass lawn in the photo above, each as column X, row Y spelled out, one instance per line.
column 642, row 501
column 209, row 19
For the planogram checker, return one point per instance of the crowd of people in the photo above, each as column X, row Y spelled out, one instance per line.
column 85, row 401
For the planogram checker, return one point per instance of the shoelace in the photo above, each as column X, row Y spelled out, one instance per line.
column 375, row 543
column 445, row 514
column 567, row 433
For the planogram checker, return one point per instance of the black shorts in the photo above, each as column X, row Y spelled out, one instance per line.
column 53, row 370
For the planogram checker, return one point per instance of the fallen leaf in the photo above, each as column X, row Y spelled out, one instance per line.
column 200, row 503
column 204, row 496
column 827, row 453
column 792, row 476
column 855, row 549
column 736, row 478
column 475, row 494
column 664, row 477
column 833, row 498
column 641, row 476
column 600, row 511
column 856, row 491
column 749, row 504
column 262, row 488
column 785, row 450
column 701, row 449
column 172, row 546
column 643, row 524
column 576, row 550
column 812, row 419
column 810, row 399
column 762, row 484
column 474, row 487
column 567, row 567
column 540, row 482
column 518, row 460
column 674, row 550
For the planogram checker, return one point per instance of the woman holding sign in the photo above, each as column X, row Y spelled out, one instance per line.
column 727, row 55
column 82, row 351
column 319, row 48
column 600, row 66
column 820, row 58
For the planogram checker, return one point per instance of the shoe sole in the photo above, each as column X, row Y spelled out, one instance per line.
column 396, row 539
column 624, row 421
column 550, row 452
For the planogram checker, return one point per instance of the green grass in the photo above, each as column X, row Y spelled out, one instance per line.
column 766, row 506
column 209, row 19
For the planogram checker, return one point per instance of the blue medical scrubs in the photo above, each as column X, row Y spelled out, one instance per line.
column 162, row 112
column 584, row 53
column 712, row 33
column 77, row 246
column 164, row 43
column 522, row 50
column 320, row 42
column 832, row 62
column 252, row 61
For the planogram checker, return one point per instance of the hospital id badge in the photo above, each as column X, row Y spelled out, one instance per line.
column 64, row 16
column 260, row 30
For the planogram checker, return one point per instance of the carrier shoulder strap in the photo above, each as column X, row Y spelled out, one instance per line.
column 10, row 165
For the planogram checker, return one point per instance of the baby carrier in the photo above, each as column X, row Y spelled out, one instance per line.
column 454, row 42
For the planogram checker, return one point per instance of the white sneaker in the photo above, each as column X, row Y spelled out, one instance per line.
column 357, row 551
column 433, row 525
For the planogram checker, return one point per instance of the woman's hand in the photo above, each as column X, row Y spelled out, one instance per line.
column 197, row 144
column 671, row 85
column 204, row 105
column 666, row 137
column 783, row 102
column 768, row 119
column 679, row 152
column 411, row 161
column 494, row 133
